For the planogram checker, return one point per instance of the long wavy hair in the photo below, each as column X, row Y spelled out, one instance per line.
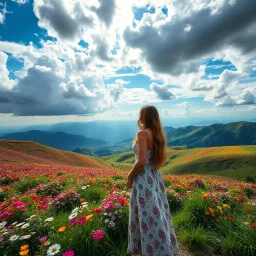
column 149, row 117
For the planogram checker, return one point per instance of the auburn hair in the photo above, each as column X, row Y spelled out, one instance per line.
column 150, row 118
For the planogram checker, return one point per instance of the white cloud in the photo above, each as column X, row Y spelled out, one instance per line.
column 185, row 106
column 21, row 1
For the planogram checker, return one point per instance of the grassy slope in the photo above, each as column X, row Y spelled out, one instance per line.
column 231, row 161
column 33, row 152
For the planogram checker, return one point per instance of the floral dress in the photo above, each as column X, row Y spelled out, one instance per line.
column 150, row 229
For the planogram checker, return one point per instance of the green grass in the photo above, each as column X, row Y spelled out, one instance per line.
column 236, row 162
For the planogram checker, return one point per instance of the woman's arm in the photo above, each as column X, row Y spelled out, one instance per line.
column 142, row 153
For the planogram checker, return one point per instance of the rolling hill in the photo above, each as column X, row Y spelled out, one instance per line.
column 59, row 140
column 25, row 151
column 231, row 161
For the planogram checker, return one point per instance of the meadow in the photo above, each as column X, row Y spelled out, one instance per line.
column 67, row 210
column 236, row 162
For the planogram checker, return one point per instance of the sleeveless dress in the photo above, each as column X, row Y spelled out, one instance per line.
column 150, row 229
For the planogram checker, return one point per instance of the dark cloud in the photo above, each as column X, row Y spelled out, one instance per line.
column 106, row 11
column 54, row 15
column 162, row 91
column 170, row 49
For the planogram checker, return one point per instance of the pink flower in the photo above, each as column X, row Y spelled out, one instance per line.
column 98, row 235
column 43, row 239
column 82, row 220
column 72, row 222
column 68, row 253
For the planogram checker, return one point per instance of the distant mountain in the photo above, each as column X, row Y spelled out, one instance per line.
column 27, row 151
column 110, row 131
column 59, row 140
column 236, row 133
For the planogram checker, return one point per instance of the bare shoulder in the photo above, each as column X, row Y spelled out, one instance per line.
column 141, row 133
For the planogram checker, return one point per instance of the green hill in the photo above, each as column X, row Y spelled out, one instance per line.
column 237, row 133
column 231, row 161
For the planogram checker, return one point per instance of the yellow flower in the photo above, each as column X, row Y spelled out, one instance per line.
column 89, row 217
column 62, row 229
column 24, row 247
column 24, row 252
column 219, row 208
column 226, row 206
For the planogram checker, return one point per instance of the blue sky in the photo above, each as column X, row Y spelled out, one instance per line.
column 91, row 60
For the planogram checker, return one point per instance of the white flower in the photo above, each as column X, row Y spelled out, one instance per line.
column 113, row 217
column 25, row 237
column 75, row 210
column 83, row 187
column 105, row 213
column 54, row 249
column 84, row 204
column 106, row 220
column 25, row 225
column 120, row 210
column 14, row 237
column 49, row 219
column 20, row 224
column 72, row 215
column 2, row 224
column 14, row 223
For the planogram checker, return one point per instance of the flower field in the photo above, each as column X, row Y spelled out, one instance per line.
column 66, row 210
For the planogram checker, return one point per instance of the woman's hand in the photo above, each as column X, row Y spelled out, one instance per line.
column 129, row 181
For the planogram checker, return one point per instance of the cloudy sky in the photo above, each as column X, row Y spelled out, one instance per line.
column 82, row 60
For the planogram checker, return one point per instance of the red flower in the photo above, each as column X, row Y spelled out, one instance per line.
column 97, row 210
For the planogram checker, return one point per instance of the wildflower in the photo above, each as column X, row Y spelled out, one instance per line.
column 206, row 213
column 24, row 252
column 98, row 235
column 84, row 204
column 72, row 215
column 49, row 219
column 20, row 224
column 43, row 239
column 25, row 225
column 54, row 249
column 75, row 210
column 72, row 222
column 14, row 237
column 218, row 240
column 230, row 218
column 68, row 253
column 82, row 220
column 205, row 196
column 25, row 237
column 62, row 229
column 89, row 217
column 97, row 210
column 24, row 247
column 2, row 224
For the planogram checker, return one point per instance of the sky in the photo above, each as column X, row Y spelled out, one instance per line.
column 84, row 60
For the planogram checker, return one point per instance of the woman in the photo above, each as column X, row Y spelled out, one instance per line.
column 150, row 230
